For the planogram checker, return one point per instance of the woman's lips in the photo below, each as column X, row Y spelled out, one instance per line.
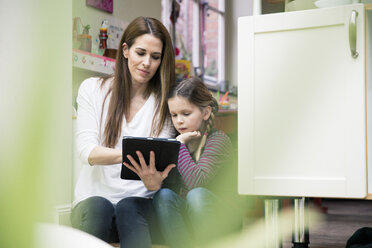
column 143, row 72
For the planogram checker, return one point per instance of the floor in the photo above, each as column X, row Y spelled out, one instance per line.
column 342, row 219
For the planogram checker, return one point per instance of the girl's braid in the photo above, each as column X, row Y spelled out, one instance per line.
column 209, row 127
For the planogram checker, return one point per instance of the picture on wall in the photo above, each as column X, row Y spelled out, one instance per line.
column 105, row 5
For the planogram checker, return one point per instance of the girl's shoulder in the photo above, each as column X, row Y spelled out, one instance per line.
column 218, row 136
column 217, row 133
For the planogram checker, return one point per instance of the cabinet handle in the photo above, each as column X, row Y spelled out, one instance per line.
column 353, row 34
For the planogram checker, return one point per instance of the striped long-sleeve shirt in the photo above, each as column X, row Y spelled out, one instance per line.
column 217, row 152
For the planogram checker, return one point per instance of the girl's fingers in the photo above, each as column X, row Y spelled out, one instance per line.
column 196, row 134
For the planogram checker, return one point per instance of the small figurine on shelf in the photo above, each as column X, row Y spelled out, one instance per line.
column 103, row 37
column 86, row 39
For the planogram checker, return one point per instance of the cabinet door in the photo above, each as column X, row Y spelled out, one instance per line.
column 302, row 104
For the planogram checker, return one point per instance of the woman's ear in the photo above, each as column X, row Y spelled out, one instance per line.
column 207, row 112
column 125, row 50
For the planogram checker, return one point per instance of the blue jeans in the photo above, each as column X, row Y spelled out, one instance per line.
column 196, row 220
column 132, row 221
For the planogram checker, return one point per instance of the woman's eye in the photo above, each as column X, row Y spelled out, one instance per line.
column 186, row 114
column 156, row 57
column 140, row 53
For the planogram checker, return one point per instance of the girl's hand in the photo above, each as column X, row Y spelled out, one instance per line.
column 151, row 177
column 186, row 137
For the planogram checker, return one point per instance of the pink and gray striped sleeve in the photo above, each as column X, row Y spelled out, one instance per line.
column 217, row 152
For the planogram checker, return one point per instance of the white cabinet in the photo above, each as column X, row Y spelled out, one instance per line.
column 304, row 103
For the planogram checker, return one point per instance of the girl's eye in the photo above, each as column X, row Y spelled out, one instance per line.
column 174, row 116
column 156, row 57
column 186, row 114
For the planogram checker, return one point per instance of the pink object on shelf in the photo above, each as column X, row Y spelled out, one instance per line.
column 106, row 5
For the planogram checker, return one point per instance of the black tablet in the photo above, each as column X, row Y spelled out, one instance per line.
column 166, row 152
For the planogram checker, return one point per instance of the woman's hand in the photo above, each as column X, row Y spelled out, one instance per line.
column 151, row 177
column 186, row 137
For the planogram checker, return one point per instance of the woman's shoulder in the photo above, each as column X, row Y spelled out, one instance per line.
column 94, row 84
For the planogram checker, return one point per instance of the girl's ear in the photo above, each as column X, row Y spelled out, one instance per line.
column 125, row 50
column 207, row 112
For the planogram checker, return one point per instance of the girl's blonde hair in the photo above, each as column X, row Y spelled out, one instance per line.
column 194, row 90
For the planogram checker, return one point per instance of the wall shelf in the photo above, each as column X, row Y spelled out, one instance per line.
column 93, row 62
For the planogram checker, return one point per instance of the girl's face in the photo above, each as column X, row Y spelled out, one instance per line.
column 144, row 57
column 187, row 117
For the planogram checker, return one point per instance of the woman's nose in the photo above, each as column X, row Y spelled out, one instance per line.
column 146, row 61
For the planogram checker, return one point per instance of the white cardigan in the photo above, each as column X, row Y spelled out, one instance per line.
column 105, row 180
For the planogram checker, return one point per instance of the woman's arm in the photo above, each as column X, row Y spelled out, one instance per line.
column 88, row 123
column 217, row 152
column 104, row 156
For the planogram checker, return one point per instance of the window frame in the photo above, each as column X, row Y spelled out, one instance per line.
column 214, row 83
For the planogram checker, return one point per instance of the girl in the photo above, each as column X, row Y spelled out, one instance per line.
column 201, row 212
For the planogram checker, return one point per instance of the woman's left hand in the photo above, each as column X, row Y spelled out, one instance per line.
column 151, row 177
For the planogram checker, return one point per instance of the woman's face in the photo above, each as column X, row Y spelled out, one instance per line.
column 144, row 57
column 187, row 117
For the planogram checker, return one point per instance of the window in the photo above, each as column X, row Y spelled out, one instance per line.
column 199, row 34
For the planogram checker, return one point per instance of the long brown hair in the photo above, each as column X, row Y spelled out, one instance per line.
column 160, row 84
column 195, row 91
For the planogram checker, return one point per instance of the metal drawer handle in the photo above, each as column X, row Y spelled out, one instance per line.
column 353, row 34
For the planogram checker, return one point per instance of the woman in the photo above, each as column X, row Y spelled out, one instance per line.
column 133, row 103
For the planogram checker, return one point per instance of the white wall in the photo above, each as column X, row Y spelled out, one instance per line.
column 234, row 9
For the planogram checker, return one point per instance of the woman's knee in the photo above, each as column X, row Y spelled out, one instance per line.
column 133, row 207
column 99, row 205
column 94, row 215
column 94, row 208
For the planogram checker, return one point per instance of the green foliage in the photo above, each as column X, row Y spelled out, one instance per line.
column 86, row 29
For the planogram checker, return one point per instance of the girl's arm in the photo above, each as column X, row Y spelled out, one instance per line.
column 217, row 152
